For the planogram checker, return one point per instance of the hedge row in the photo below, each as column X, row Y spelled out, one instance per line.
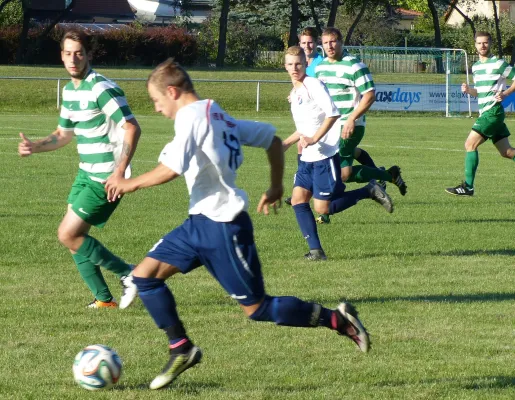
column 130, row 46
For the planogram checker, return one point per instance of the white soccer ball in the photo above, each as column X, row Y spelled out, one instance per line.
column 97, row 367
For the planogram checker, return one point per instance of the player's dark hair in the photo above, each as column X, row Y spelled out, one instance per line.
column 309, row 31
column 170, row 73
column 78, row 35
column 331, row 31
column 483, row 34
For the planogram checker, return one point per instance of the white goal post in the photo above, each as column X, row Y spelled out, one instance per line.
column 417, row 78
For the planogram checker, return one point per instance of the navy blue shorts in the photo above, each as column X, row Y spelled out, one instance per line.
column 322, row 178
column 226, row 249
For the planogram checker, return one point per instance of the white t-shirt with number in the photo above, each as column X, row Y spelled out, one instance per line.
column 207, row 150
column 311, row 104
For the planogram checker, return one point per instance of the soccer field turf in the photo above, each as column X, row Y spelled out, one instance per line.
column 433, row 281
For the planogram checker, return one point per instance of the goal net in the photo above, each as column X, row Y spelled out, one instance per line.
column 417, row 78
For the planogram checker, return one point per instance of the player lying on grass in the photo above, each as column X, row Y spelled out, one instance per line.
column 218, row 232
column 318, row 173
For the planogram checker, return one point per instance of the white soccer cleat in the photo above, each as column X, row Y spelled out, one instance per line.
column 130, row 291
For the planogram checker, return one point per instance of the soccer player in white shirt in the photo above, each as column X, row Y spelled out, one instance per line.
column 218, row 232
column 318, row 173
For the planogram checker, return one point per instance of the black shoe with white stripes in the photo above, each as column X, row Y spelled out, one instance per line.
column 397, row 180
column 461, row 190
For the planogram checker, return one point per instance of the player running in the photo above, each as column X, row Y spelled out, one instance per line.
column 489, row 74
column 218, row 233
column 94, row 110
column 353, row 91
column 318, row 173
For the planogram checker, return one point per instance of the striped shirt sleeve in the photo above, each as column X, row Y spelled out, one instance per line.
column 64, row 120
column 362, row 78
column 111, row 100
column 507, row 70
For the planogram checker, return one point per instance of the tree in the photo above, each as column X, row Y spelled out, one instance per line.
column 332, row 14
column 497, row 29
column 454, row 5
column 23, row 53
column 438, row 33
column 222, row 38
column 11, row 12
column 294, row 23
column 314, row 14
column 355, row 22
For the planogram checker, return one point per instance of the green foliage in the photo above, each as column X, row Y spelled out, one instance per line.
column 134, row 45
column 242, row 42
column 12, row 14
column 461, row 37
column 383, row 32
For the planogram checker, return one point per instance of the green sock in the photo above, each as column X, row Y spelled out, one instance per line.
column 91, row 274
column 471, row 163
column 95, row 252
column 363, row 174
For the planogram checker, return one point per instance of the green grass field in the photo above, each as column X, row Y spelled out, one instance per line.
column 433, row 281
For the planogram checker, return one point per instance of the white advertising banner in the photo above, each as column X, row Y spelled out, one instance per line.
column 419, row 97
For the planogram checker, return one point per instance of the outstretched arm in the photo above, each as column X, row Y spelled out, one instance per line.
column 54, row 141
column 115, row 185
column 274, row 193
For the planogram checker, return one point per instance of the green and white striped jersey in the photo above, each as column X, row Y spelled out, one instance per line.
column 346, row 80
column 490, row 78
column 95, row 111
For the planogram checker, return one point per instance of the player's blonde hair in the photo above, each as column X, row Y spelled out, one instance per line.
column 170, row 73
column 296, row 51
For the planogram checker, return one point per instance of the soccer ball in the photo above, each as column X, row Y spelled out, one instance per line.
column 97, row 367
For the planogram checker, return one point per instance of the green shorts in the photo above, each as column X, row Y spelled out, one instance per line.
column 89, row 200
column 347, row 146
column 490, row 125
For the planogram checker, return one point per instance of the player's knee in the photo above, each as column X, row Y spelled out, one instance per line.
column 508, row 153
column 471, row 145
column 64, row 237
column 322, row 208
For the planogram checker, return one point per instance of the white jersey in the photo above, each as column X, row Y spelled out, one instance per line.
column 311, row 104
column 207, row 151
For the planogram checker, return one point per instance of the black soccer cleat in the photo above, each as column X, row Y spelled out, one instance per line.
column 461, row 190
column 397, row 180
column 288, row 201
column 378, row 194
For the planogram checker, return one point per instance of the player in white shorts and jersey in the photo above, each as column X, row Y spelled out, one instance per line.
column 218, row 233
